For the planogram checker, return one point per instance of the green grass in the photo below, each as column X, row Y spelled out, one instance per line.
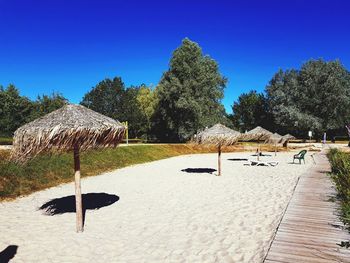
column 51, row 170
column 5, row 140
column 340, row 163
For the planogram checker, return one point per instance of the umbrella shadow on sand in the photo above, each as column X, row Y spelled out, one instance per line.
column 8, row 253
column 91, row 201
column 237, row 159
column 199, row 170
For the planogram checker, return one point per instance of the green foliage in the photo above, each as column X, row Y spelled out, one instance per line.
column 147, row 102
column 50, row 170
column 340, row 163
column 46, row 104
column 132, row 112
column 111, row 98
column 5, row 140
column 106, row 98
column 317, row 97
column 15, row 110
column 251, row 110
column 189, row 94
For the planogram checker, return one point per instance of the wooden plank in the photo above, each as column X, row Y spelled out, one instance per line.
column 311, row 252
column 329, row 249
column 297, row 258
column 310, row 230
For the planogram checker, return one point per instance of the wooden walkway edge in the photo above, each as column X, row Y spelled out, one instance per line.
column 310, row 230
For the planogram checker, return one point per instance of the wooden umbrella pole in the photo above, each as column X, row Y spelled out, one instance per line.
column 78, row 199
column 275, row 149
column 258, row 153
column 219, row 160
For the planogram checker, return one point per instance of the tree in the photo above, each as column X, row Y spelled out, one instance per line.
column 132, row 112
column 251, row 110
column 317, row 97
column 111, row 98
column 46, row 104
column 147, row 101
column 106, row 98
column 15, row 110
column 189, row 94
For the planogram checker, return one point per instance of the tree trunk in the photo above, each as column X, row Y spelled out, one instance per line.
column 219, row 160
column 78, row 199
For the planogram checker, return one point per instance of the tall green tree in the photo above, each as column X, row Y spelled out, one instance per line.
column 47, row 103
column 147, row 102
column 316, row 97
column 251, row 110
column 107, row 98
column 111, row 98
column 133, row 113
column 189, row 94
column 15, row 110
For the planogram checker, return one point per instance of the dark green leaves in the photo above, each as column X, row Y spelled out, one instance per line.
column 189, row 94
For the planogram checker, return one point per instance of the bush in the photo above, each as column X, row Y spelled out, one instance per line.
column 340, row 164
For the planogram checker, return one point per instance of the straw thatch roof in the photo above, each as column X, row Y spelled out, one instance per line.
column 64, row 128
column 218, row 135
column 288, row 137
column 275, row 139
column 256, row 134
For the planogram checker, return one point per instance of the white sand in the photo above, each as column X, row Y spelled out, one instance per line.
column 163, row 214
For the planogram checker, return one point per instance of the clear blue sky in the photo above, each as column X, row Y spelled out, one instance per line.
column 69, row 46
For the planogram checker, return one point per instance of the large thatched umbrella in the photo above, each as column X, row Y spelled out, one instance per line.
column 274, row 139
column 218, row 135
column 70, row 128
column 257, row 134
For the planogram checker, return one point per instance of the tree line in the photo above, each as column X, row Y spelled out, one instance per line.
column 16, row 110
column 188, row 98
column 316, row 98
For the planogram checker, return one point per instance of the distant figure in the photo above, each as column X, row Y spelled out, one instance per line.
column 324, row 138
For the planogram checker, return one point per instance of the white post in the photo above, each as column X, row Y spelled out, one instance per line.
column 78, row 199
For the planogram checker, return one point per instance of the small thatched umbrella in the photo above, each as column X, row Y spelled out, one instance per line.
column 257, row 134
column 218, row 135
column 286, row 139
column 275, row 139
column 70, row 128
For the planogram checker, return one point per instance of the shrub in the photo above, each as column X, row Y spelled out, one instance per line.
column 340, row 164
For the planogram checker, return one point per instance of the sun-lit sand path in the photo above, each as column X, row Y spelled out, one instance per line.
column 163, row 214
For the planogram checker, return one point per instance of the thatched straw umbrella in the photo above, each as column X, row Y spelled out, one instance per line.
column 286, row 139
column 70, row 128
column 257, row 134
column 218, row 135
column 275, row 139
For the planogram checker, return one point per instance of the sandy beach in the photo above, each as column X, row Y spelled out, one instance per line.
column 163, row 211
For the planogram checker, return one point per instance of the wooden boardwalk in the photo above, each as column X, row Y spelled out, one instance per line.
column 310, row 230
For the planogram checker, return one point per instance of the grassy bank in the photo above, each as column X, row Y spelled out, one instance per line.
column 51, row 170
column 5, row 140
column 340, row 163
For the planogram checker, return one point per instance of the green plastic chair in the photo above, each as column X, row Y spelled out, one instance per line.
column 300, row 156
